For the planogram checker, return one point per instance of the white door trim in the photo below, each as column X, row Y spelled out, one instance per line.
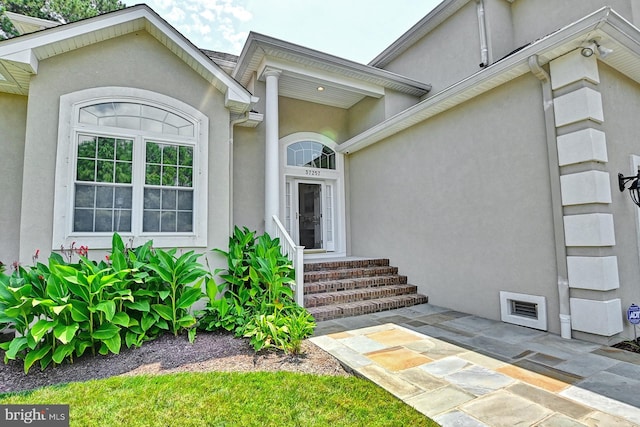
column 290, row 176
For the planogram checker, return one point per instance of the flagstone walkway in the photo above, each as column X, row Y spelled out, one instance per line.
column 463, row 370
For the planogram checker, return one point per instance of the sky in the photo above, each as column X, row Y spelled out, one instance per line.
column 358, row 30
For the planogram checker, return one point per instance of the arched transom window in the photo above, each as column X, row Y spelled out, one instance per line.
column 130, row 115
column 311, row 154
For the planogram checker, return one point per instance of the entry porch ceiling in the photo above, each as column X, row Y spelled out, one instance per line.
column 319, row 87
column 304, row 70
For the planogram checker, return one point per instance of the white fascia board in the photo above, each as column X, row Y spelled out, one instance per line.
column 312, row 75
column 69, row 31
column 235, row 92
column 26, row 58
column 516, row 65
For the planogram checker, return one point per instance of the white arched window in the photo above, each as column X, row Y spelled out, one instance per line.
column 311, row 154
column 132, row 162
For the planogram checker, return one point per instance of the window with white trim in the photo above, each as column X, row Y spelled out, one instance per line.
column 133, row 166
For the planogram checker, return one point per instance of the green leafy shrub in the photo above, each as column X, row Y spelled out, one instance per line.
column 62, row 309
column 256, row 300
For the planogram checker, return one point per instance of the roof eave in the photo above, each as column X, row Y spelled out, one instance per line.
column 136, row 18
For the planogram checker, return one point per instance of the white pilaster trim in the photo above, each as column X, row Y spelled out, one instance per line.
column 594, row 273
column 594, row 229
column 596, row 317
column 579, row 105
column 585, row 187
column 586, row 145
column 573, row 67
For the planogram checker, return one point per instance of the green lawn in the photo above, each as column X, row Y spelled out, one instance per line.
column 227, row 399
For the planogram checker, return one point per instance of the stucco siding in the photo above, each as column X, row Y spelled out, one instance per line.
column 12, row 131
column 446, row 55
column 366, row 114
column 533, row 19
column 461, row 202
column 138, row 61
column 248, row 178
column 301, row 116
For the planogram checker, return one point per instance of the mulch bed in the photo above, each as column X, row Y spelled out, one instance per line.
column 211, row 351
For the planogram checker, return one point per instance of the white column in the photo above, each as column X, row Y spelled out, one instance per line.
column 271, row 166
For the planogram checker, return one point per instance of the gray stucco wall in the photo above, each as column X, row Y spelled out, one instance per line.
column 533, row 19
column 248, row 178
column 446, row 55
column 12, row 131
column 135, row 60
column 372, row 111
column 301, row 116
column 461, row 202
column 621, row 104
column 365, row 114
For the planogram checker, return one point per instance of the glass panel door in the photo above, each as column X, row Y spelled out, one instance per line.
column 310, row 215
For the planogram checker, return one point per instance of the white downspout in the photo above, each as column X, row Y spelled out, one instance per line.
column 556, row 200
column 482, row 27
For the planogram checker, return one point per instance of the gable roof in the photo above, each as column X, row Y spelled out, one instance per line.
column 614, row 32
column 19, row 56
column 344, row 82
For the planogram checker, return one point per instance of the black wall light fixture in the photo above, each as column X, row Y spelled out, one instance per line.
column 634, row 189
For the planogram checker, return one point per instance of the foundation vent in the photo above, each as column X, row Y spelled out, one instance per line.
column 524, row 310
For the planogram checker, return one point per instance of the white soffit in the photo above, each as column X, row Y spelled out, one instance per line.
column 614, row 31
column 65, row 38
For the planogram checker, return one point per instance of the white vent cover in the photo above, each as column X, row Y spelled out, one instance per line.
column 524, row 310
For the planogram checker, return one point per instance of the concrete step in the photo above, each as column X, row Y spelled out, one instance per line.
column 353, row 283
column 336, row 311
column 363, row 294
column 345, row 263
column 348, row 273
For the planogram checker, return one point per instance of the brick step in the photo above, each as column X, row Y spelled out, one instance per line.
column 363, row 294
column 336, row 311
column 354, row 283
column 341, row 264
column 348, row 273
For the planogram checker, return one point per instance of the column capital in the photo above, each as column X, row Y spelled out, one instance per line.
column 272, row 72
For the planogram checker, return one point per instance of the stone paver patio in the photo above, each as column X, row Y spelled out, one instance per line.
column 462, row 370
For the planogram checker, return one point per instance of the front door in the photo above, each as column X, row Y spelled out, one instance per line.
column 310, row 215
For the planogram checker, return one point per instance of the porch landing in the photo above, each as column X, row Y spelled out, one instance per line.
column 342, row 287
